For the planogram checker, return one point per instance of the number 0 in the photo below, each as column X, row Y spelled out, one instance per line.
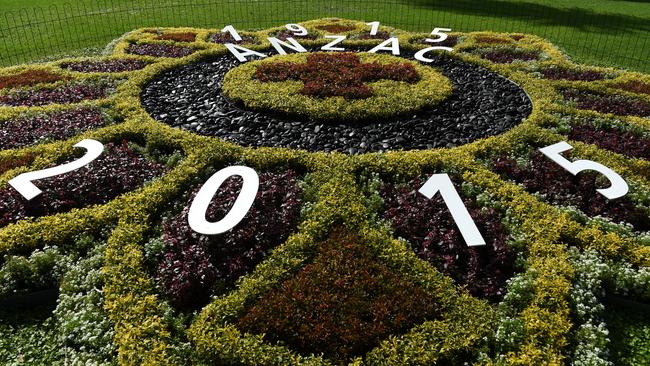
column 243, row 203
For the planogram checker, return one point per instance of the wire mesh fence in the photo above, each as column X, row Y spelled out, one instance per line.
column 598, row 37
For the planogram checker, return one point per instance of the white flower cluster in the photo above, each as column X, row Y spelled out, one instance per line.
column 594, row 274
column 81, row 319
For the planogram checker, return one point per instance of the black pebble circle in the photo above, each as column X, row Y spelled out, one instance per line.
column 482, row 104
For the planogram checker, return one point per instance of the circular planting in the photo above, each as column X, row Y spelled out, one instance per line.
column 481, row 104
column 336, row 87
column 265, row 211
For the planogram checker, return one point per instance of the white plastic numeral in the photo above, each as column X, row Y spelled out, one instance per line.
column 443, row 184
column 438, row 32
column 243, row 203
column 23, row 183
column 336, row 40
column 233, row 32
column 297, row 29
column 618, row 188
column 374, row 28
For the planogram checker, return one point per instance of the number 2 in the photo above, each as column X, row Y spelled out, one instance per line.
column 618, row 188
column 443, row 184
column 23, row 183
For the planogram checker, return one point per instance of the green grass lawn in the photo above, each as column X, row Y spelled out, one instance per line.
column 603, row 32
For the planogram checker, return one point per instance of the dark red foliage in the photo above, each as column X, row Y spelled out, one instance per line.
column 284, row 34
column 159, row 50
column 25, row 131
column 517, row 37
column 434, row 236
column 491, row 40
column 7, row 165
column 29, row 78
column 178, row 37
column 560, row 73
column 341, row 74
column 71, row 93
column 117, row 65
column 196, row 265
column 616, row 104
column 634, row 86
column 116, row 171
column 507, row 55
column 336, row 28
column 451, row 41
column 368, row 36
column 342, row 304
column 626, row 143
column 563, row 188
column 222, row 38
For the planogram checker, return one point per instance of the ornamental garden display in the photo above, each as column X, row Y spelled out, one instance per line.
column 324, row 193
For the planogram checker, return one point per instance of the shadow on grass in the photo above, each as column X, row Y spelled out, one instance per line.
column 538, row 14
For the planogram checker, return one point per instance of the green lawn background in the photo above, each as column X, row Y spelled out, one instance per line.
column 603, row 32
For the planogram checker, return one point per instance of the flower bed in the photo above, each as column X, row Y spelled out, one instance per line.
column 615, row 104
column 29, row 78
column 341, row 259
column 508, row 55
column 28, row 130
column 64, row 94
column 561, row 187
column 194, row 267
column 114, row 65
column 435, row 238
column 117, row 171
column 159, row 50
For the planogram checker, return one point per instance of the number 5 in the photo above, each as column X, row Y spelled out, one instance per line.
column 438, row 32
column 618, row 186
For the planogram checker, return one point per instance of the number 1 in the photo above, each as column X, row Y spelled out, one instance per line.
column 443, row 184
column 233, row 32
column 374, row 28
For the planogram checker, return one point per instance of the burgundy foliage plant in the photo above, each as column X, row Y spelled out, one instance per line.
column 508, row 55
column 428, row 226
column 71, row 93
column 616, row 104
column 222, row 38
column 116, row 65
column 341, row 74
column 29, row 78
column 342, row 304
column 563, row 188
column 159, row 50
column 118, row 170
column 25, row 131
column 196, row 266
column 561, row 73
column 622, row 142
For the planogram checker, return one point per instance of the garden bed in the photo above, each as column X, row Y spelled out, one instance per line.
column 352, row 250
